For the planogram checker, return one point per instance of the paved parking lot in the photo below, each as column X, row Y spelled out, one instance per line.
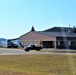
column 6, row 51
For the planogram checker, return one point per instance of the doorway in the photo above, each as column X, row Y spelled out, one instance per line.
column 48, row 44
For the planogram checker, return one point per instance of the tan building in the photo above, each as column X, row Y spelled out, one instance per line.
column 57, row 37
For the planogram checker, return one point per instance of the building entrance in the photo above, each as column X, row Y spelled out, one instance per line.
column 48, row 44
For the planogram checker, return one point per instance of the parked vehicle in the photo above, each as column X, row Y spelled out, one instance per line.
column 33, row 47
column 11, row 44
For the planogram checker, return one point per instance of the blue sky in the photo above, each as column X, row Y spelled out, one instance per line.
column 18, row 16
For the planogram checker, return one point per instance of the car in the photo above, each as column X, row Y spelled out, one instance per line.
column 33, row 47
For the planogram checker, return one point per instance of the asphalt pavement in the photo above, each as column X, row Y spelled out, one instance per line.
column 6, row 51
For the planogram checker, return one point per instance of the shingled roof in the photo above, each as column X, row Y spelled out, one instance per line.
column 57, row 34
column 59, row 29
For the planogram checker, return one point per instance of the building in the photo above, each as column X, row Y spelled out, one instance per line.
column 56, row 37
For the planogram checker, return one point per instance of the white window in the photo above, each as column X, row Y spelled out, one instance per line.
column 35, row 43
column 29, row 42
column 58, row 42
column 69, row 43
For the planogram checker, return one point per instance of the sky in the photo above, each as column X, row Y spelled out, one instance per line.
column 18, row 16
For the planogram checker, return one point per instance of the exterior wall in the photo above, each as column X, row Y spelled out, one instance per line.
column 35, row 38
column 69, row 43
column 59, row 42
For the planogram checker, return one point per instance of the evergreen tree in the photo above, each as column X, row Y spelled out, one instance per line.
column 32, row 29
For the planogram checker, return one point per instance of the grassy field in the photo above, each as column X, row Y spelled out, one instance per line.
column 38, row 65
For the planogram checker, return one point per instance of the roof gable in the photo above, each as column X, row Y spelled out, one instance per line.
column 36, row 36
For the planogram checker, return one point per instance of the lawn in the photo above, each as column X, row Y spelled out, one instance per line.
column 50, row 64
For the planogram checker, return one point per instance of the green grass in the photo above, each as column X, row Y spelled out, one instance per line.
column 38, row 65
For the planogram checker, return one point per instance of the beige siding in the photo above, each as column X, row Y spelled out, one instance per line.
column 34, row 37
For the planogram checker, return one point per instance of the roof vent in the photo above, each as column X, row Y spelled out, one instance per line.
column 74, row 29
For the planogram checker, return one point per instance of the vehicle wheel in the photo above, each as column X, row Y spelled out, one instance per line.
column 37, row 49
column 27, row 50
